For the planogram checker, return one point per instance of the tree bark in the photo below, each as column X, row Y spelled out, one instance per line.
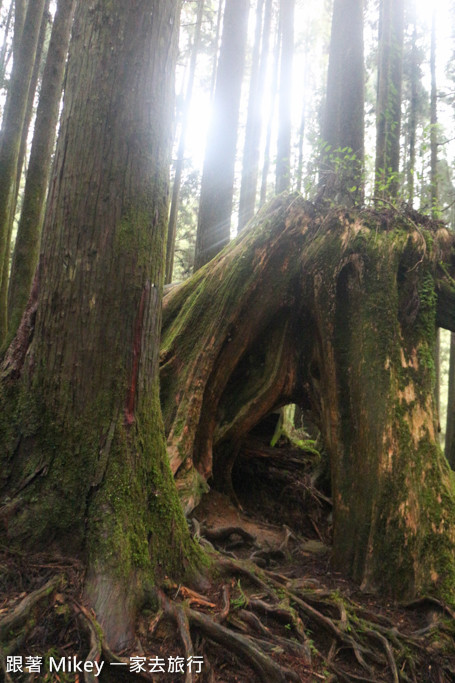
column 337, row 313
column 81, row 441
column 26, row 249
column 217, row 185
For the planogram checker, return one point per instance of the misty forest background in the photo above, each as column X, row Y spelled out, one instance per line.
column 269, row 138
column 313, row 153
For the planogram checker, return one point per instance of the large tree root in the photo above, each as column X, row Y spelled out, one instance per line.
column 281, row 629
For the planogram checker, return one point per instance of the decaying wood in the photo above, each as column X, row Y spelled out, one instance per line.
column 334, row 311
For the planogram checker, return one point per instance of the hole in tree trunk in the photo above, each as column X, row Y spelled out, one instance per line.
column 280, row 474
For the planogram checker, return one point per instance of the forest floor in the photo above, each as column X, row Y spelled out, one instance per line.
column 272, row 610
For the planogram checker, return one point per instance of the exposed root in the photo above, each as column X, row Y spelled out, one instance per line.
column 224, row 533
column 252, row 624
column 266, row 668
column 96, row 645
column 179, row 614
column 21, row 613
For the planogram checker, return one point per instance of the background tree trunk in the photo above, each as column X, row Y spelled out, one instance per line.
column 413, row 104
column 450, row 429
column 294, row 312
column 12, row 127
column 217, row 185
column 273, row 88
column 388, row 107
column 283, row 160
column 20, row 164
column 82, row 450
column 26, row 249
column 341, row 166
column 172, row 228
column 250, row 161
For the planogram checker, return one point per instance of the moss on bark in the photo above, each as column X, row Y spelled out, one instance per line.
column 336, row 311
column 82, row 453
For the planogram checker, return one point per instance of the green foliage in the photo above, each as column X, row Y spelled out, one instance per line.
column 186, row 225
column 241, row 600
column 341, row 173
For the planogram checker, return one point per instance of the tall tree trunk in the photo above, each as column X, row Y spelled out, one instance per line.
column 253, row 128
column 299, row 172
column 20, row 164
column 217, row 185
column 172, row 229
column 295, row 312
column 268, row 134
column 82, row 454
column 283, row 160
column 411, row 170
column 13, row 124
column 20, row 11
column 341, row 166
column 388, row 111
column 434, row 193
column 40, row 57
column 26, row 250
column 219, row 17
column 433, row 123
column 5, row 53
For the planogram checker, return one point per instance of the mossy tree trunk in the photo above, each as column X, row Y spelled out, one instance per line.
column 335, row 312
column 83, row 460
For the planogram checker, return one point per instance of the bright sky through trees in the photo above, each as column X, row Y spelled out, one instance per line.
column 312, row 30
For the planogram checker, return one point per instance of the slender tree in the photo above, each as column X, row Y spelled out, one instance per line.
column 217, row 185
column 40, row 58
column 283, row 160
column 83, row 464
column 12, row 128
column 22, row 155
column 268, row 135
column 434, row 194
column 26, row 249
column 5, row 51
column 254, row 119
column 388, row 110
column 172, row 229
column 341, row 167
column 414, row 78
column 216, row 45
